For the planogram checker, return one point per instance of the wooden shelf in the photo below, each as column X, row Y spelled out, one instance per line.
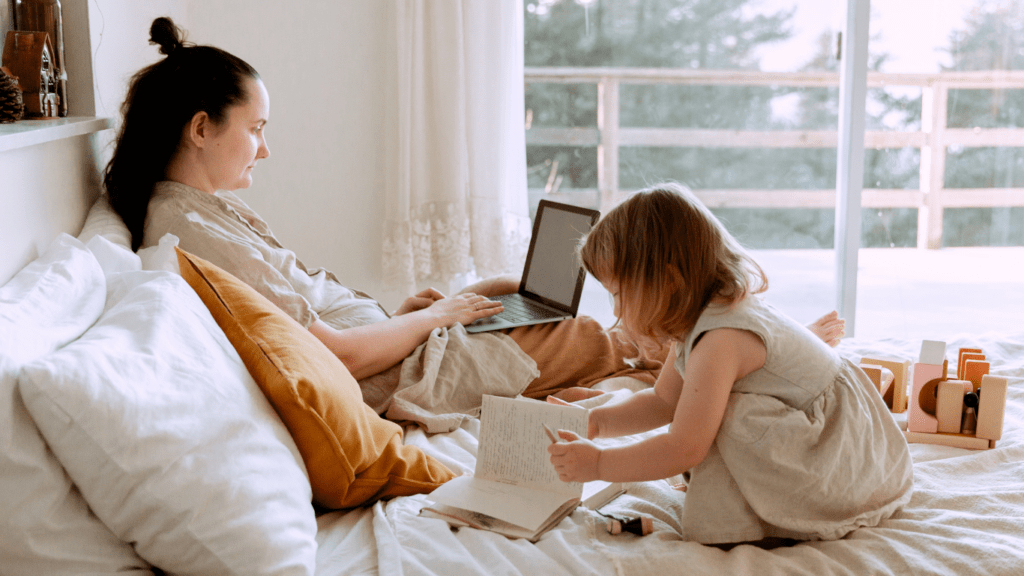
column 26, row 133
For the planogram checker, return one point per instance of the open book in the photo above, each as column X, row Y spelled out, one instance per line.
column 514, row 490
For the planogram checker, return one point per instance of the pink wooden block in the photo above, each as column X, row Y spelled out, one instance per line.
column 917, row 419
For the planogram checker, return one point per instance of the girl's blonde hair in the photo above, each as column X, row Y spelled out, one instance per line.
column 671, row 257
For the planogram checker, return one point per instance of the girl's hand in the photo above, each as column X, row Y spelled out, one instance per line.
column 575, row 459
column 594, row 422
column 418, row 302
column 463, row 308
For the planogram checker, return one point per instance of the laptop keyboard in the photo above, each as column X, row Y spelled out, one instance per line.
column 518, row 309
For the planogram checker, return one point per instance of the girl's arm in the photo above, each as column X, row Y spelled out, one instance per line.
column 643, row 411
column 720, row 358
column 368, row 350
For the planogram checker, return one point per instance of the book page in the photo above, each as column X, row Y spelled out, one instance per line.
column 519, row 505
column 513, row 444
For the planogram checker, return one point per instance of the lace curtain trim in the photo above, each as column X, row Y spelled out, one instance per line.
column 439, row 243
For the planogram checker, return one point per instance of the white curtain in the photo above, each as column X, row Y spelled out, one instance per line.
column 456, row 198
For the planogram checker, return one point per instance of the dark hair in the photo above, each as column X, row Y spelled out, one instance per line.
column 162, row 99
column 671, row 257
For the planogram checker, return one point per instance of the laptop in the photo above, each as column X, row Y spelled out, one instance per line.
column 553, row 276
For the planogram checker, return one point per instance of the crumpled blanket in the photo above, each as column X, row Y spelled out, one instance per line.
column 442, row 383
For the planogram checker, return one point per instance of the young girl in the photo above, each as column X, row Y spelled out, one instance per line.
column 780, row 436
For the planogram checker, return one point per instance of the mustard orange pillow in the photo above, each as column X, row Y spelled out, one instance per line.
column 353, row 456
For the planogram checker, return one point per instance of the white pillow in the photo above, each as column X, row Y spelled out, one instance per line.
column 113, row 258
column 102, row 220
column 45, row 525
column 158, row 422
column 162, row 256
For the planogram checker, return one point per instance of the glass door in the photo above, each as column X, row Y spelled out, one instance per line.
column 737, row 99
column 943, row 214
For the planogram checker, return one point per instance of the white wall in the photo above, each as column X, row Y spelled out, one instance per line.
column 46, row 188
column 323, row 63
column 119, row 34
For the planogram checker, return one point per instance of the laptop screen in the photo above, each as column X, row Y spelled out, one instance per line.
column 554, row 268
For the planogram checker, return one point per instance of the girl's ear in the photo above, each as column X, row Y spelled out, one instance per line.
column 197, row 130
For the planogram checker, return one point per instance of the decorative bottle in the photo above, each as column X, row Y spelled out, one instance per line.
column 45, row 16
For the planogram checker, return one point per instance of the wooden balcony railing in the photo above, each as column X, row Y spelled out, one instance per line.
column 932, row 139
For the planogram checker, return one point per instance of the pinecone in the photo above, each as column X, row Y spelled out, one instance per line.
column 12, row 106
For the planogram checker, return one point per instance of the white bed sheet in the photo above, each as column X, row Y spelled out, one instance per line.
column 966, row 515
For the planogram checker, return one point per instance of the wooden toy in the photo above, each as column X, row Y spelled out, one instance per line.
column 897, row 401
column 991, row 407
column 960, row 359
column 949, row 404
column 932, row 352
column 29, row 56
column 955, row 411
column 879, row 375
column 974, row 371
column 922, row 397
column 968, row 441
column 963, row 409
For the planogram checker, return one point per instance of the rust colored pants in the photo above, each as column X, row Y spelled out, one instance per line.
column 579, row 352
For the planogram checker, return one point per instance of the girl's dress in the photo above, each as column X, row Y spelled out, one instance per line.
column 807, row 449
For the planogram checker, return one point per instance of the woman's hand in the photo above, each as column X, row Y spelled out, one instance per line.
column 575, row 459
column 418, row 302
column 463, row 308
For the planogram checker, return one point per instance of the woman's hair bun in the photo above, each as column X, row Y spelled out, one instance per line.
column 166, row 34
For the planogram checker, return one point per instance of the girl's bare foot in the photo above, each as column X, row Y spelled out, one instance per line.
column 830, row 328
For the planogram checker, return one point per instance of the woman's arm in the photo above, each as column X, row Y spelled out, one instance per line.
column 368, row 350
column 719, row 359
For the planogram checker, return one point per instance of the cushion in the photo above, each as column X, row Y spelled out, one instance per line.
column 353, row 455
column 159, row 424
column 46, row 526
column 103, row 221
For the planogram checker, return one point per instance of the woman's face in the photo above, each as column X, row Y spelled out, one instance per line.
column 238, row 142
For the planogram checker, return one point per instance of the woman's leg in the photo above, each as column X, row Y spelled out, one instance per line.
column 580, row 352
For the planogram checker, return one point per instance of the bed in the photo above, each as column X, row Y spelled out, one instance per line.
column 134, row 439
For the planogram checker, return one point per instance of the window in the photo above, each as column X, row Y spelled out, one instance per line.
column 739, row 100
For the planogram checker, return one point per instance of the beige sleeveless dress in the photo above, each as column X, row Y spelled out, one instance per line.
column 807, row 448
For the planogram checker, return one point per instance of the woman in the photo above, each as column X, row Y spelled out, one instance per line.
column 193, row 130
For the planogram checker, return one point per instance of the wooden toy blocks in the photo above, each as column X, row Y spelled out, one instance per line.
column 926, row 378
column 949, row 404
column 962, row 407
column 955, row 411
column 991, row 407
column 895, row 395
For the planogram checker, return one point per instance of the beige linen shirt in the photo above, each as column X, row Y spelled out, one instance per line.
column 222, row 229
column 439, row 385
